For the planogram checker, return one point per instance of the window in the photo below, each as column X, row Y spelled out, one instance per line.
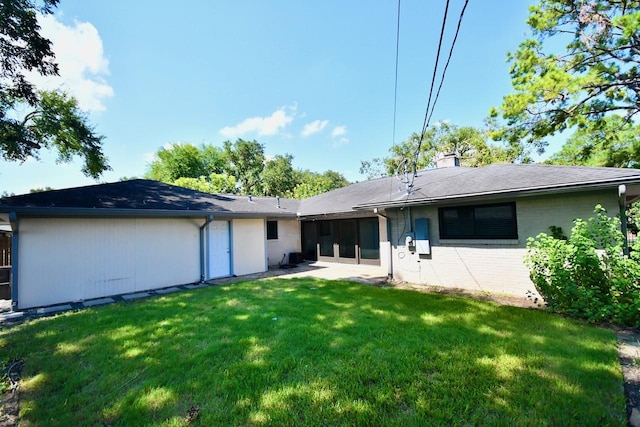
column 479, row 222
column 272, row 230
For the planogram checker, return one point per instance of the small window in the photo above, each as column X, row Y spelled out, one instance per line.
column 272, row 230
column 479, row 222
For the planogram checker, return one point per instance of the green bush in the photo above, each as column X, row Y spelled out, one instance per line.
column 587, row 275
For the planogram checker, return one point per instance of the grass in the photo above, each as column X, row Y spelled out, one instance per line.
column 312, row 352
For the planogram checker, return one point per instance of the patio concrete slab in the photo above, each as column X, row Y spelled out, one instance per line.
column 100, row 301
column 14, row 315
column 167, row 290
column 332, row 271
column 135, row 296
column 54, row 309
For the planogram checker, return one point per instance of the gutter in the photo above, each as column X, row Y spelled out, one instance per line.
column 15, row 246
column 203, row 252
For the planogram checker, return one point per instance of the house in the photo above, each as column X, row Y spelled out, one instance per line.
column 459, row 227
column 89, row 242
column 449, row 226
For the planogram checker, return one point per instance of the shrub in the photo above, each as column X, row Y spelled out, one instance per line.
column 587, row 275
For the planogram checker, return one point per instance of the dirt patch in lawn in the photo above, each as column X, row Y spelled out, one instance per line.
column 10, row 409
column 465, row 293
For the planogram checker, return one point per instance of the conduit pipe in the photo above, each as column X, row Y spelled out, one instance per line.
column 390, row 257
column 15, row 240
column 203, row 252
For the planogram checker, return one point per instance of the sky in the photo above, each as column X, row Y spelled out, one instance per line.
column 312, row 79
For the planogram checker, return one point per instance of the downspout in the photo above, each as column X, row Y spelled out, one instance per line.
column 622, row 201
column 390, row 260
column 203, row 252
column 15, row 240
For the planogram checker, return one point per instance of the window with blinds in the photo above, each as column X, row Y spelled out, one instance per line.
column 496, row 221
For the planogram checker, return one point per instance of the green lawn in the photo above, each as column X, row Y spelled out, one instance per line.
column 312, row 352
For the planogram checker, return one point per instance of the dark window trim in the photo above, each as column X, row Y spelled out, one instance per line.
column 272, row 230
column 476, row 234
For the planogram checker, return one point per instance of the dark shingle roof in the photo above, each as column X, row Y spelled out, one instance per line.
column 437, row 185
column 147, row 196
column 429, row 186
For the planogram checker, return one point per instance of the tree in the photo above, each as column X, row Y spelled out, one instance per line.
column 53, row 119
column 238, row 167
column 40, row 189
column 23, row 49
column 214, row 183
column 312, row 183
column 614, row 144
column 468, row 143
column 595, row 75
column 245, row 160
column 278, row 176
column 184, row 161
column 199, row 168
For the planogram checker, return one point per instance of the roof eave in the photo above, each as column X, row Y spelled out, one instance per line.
column 504, row 193
column 29, row 211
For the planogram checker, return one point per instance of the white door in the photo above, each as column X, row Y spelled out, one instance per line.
column 219, row 250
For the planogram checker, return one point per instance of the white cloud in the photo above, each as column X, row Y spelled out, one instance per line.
column 81, row 61
column 314, row 127
column 339, row 131
column 263, row 126
column 340, row 142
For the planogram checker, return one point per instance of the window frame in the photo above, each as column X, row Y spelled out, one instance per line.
column 270, row 230
column 474, row 222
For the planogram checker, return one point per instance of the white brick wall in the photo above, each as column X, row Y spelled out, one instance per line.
column 486, row 265
column 288, row 241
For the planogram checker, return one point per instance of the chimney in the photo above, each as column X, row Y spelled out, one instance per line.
column 447, row 161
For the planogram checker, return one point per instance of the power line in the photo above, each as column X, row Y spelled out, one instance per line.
column 455, row 38
column 395, row 89
column 431, row 107
column 435, row 70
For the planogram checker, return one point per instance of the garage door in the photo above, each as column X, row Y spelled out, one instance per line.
column 72, row 259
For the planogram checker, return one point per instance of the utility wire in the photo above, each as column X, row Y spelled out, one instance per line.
column 433, row 80
column 455, row 38
column 395, row 89
column 431, row 107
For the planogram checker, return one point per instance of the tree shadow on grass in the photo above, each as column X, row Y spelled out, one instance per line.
column 310, row 352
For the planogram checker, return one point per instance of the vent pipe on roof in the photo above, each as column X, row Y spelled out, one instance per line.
column 278, row 201
column 250, row 198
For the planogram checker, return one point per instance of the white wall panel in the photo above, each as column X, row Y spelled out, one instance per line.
column 249, row 246
column 76, row 259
